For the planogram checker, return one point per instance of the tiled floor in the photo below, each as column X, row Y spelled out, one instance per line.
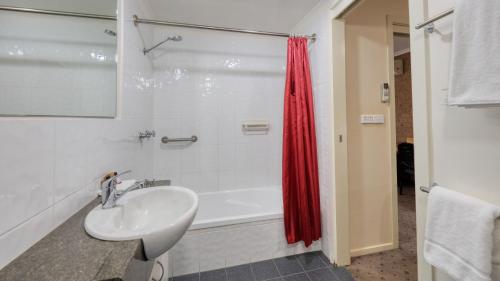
column 305, row 267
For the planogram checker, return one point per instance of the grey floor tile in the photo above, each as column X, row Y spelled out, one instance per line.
column 240, row 273
column 322, row 274
column 214, row 275
column 288, row 265
column 296, row 277
column 311, row 261
column 342, row 273
column 324, row 258
column 265, row 270
column 189, row 277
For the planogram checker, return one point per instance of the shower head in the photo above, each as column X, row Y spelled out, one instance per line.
column 110, row 32
column 176, row 38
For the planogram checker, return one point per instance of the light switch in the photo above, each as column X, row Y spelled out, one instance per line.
column 372, row 119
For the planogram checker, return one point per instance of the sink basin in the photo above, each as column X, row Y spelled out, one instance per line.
column 158, row 215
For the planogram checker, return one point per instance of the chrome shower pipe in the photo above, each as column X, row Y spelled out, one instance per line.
column 175, row 38
column 56, row 13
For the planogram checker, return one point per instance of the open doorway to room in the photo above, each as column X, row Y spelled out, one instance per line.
column 404, row 140
column 381, row 215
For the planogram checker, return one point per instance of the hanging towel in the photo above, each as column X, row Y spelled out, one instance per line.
column 475, row 58
column 459, row 235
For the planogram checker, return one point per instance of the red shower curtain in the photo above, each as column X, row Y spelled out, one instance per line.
column 300, row 162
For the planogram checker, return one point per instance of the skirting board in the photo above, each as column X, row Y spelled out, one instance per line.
column 372, row 249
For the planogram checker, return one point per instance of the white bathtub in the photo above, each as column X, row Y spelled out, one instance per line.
column 238, row 206
column 234, row 228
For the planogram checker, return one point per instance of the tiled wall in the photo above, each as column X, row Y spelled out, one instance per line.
column 56, row 66
column 319, row 21
column 214, row 248
column 207, row 85
column 404, row 111
column 49, row 167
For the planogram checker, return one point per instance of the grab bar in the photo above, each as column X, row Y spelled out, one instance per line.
column 168, row 140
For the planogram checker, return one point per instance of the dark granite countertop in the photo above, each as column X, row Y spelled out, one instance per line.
column 69, row 253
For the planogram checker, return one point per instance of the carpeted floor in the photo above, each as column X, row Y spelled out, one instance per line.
column 395, row 265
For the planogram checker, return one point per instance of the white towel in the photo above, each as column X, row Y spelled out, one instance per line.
column 459, row 235
column 475, row 58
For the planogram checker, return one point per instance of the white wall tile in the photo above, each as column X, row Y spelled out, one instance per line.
column 212, row 84
column 238, row 246
column 27, row 158
column 50, row 167
column 262, row 248
column 212, row 254
column 71, row 157
column 185, row 255
column 205, row 85
column 66, row 207
column 19, row 239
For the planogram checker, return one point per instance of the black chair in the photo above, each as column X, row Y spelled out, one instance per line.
column 406, row 165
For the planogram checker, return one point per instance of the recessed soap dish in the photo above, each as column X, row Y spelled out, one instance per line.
column 255, row 127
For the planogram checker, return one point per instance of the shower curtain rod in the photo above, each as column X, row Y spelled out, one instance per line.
column 56, row 13
column 138, row 20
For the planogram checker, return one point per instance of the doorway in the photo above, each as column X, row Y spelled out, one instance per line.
column 381, row 224
column 381, row 188
column 405, row 156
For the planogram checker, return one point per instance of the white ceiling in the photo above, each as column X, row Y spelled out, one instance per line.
column 266, row 15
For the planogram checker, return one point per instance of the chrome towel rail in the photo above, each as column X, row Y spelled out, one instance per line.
column 434, row 18
column 168, row 140
column 427, row 189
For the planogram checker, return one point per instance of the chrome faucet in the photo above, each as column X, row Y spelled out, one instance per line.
column 109, row 193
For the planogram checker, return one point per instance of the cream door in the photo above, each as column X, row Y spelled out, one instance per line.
column 454, row 147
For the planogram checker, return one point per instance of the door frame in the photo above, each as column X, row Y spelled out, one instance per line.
column 399, row 25
column 421, row 129
column 342, row 231
column 341, row 238
column 421, row 126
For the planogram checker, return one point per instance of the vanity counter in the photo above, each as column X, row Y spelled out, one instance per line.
column 69, row 253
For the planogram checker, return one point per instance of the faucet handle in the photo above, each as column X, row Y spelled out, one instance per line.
column 113, row 178
column 108, row 187
column 124, row 173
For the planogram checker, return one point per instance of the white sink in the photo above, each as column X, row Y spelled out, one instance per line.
column 158, row 215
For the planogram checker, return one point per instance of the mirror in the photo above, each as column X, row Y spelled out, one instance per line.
column 58, row 65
